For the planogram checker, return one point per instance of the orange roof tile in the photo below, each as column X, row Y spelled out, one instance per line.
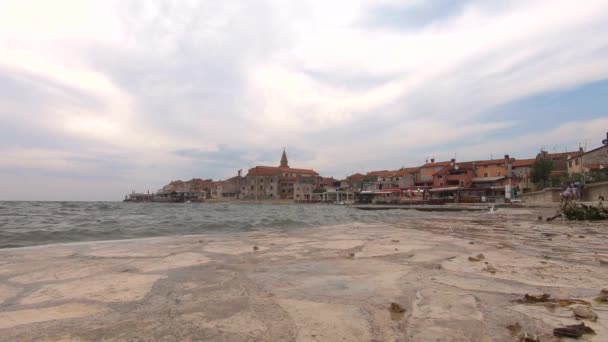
column 356, row 177
column 437, row 164
column 381, row 173
column 492, row 162
column 523, row 162
column 276, row 170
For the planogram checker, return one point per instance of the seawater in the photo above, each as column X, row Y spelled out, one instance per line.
column 39, row 223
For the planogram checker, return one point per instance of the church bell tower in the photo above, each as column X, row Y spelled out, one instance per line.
column 284, row 162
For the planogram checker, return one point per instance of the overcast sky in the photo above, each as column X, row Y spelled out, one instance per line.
column 99, row 98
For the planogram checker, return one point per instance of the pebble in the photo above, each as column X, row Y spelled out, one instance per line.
column 490, row 269
column 584, row 312
column 573, row 331
column 529, row 338
column 604, row 291
column 255, row 248
column 396, row 308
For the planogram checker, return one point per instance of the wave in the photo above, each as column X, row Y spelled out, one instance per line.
column 38, row 223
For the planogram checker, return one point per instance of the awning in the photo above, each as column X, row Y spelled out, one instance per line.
column 454, row 188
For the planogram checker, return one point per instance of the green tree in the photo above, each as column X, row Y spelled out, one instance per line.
column 541, row 172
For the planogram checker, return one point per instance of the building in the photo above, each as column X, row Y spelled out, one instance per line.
column 494, row 167
column 584, row 162
column 395, row 179
column 194, row 189
column 355, row 181
column 424, row 177
column 559, row 160
column 521, row 174
column 231, row 187
column 279, row 182
column 455, row 176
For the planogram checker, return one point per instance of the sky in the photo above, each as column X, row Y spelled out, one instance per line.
column 99, row 98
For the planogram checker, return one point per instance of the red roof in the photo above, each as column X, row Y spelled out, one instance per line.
column 492, row 162
column 578, row 154
column 393, row 173
column 437, row 164
column 382, row 173
column 356, row 177
column 561, row 155
column 523, row 162
column 276, row 170
column 461, row 166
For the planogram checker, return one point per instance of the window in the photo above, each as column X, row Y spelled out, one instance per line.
column 252, row 188
column 298, row 188
column 243, row 189
column 261, row 187
column 438, row 168
column 271, row 188
column 485, row 174
column 397, row 179
column 261, row 180
column 498, row 174
column 576, row 161
column 271, row 180
column 570, row 163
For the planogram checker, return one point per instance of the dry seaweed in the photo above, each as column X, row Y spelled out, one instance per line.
column 575, row 211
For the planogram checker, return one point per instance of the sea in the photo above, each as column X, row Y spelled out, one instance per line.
column 40, row 223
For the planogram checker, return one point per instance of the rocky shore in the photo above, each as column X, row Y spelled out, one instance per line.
column 501, row 276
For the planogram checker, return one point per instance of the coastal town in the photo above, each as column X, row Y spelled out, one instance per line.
column 507, row 179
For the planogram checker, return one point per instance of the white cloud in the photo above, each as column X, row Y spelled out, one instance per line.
column 133, row 82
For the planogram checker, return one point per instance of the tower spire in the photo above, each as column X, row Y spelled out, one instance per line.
column 284, row 162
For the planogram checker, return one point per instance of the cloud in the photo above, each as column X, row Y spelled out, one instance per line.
column 135, row 93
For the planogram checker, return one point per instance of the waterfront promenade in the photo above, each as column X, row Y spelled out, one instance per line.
column 460, row 278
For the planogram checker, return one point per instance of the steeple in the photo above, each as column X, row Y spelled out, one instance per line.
column 284, row 162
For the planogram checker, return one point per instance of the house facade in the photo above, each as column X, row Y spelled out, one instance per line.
column 424, row 176
column 521, row 174
column 596, row 159
column 279, row 182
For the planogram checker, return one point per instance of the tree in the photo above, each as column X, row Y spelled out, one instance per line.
column 541, row 171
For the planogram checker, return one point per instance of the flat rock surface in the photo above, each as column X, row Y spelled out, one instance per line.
column 315, row 284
